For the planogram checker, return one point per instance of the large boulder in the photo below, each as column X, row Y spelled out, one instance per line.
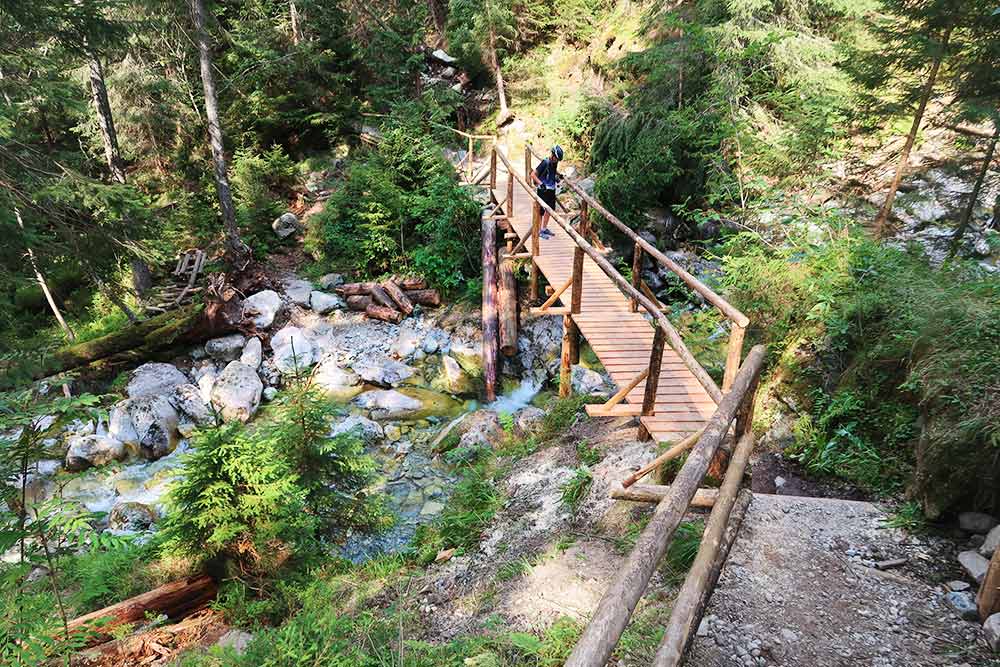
column 225, row 349
column 253, row 353
column 154, row 378
column 382, row 371
column 991, row 543
column 148, row 422
column 236, row 393
column 454, row 379
column 131, row 517
column 527, row 420
column 285, row 225
column 323, row 302
column 298, row 292
column 293, row 350
column 193, row 410
column 469, row 355
column 370, row 432
column 206, row 381
column 261, row 308
column 93, row 450
column 388, row 404
column 336, row 382
column 587, row 382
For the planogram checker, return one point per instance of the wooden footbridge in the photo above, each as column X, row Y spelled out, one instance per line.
column 659, row 382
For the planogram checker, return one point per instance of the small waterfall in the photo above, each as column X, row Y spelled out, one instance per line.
column 517, row 399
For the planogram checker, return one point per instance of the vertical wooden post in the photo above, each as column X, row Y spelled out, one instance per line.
column 988, row 600
column 536, row 218
column 510, row 199
column 490, row 316
column 566, row 360
column 468, row 164
column 585, row 220
column 507, row 292
column 576, row 296
column 527, row 164
column 652, row 379
column 636, row 273
column 493, row 169
column 734, row 355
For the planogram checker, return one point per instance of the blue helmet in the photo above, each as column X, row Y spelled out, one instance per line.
column 557, row 151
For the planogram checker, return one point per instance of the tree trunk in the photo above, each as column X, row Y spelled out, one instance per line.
column 42, row 284
column 438, row 18
column 883, row 214
column 237, row 252
column 293, row 12
column 963, row 224
column 105, row 120
column 501, row 92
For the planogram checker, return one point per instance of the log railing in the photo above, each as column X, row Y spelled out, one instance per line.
column 664, row 331
column 600, row 637
column 643, row 248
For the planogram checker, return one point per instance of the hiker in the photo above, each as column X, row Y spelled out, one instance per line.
column 545, row 177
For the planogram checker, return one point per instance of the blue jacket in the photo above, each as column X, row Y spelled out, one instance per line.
column 546, row 172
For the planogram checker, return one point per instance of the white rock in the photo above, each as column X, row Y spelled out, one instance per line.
column 991, row 543
column 369, row 431
column 225, row 348
column 237, row 391
column 408, row 342
column 192, row 408
column 261, row 308
column 331, row 280
column 441, row 56
column 293, row 350
column 285, row 225
column 253, row 353
column 991, row 629
column 154, row 378
column 93, row 450
column 298, row 292
column 237, row 640
column 335, row 381
column 323, row 303
column 206, row 382
column 382, row 370
column 269, row 393
column 586, row 381
column 974, row 564
column 388, row 404
column 148, row 422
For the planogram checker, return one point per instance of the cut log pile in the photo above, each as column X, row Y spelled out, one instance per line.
column 390, row 300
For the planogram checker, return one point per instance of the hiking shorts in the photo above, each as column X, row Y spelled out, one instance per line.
column 547, row 196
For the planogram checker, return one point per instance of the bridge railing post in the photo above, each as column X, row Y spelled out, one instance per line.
column 734, row 355
column 585, row 220
column 493, row 168
column 636, row 274
column 536, row 217
column 652, row 379
column 469, row 161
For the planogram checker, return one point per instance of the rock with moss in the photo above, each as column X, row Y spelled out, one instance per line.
column 453, row 378
column 93, row 450
column 131, row 517
column 389, row 404
column 225, row 348
column 148, row 423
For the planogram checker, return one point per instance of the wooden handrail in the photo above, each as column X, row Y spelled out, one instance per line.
column 701, row 288
column 623, row 285
column 601, row 635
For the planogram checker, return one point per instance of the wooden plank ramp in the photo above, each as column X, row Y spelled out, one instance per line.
column 621, row 339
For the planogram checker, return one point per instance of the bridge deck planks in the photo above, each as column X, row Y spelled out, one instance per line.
column 620, row 338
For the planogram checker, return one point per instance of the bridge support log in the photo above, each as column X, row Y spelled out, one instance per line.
column 490, row 317
column 704, row 573
column 566, row 361
column 508, row 309
column 601, row 635
column 536, row 221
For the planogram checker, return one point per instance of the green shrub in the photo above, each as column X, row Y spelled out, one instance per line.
column 575, row 489
column 401, row 209
column 262, row 185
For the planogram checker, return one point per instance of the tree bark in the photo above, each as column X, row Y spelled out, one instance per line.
column 398, row 296
column 425, row 297
column 105, row 120
column 358, row 302
column 293, row 13
column 489, row 306
column 963, row 224
column 384, row 313
column 883, row 215
column 508, row 308
column 42, row 284
column 237, row 252
column 438, row 18
column 501, row 89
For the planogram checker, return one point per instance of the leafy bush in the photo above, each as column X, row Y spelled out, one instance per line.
column 401, row 208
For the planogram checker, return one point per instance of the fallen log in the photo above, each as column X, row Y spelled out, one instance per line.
column 185, row 326
column 175, row 600
column 508, row 309
column 383, row 313
column 490, row 327
column 358, row 302
column 424, row 297
column 381, row 298
column 399, row 298
column 354, row 289
column 654, row 493
column 410, row 283
column 200, row 629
